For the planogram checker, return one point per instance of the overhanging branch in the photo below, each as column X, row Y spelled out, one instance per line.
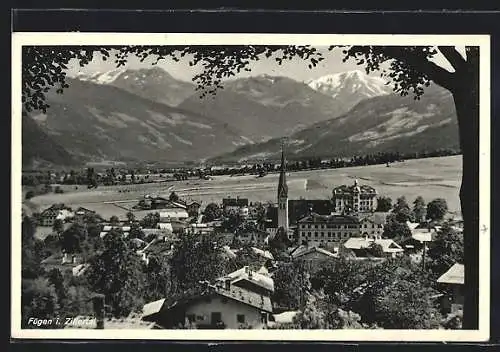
column 453, row 56
column 422, row 64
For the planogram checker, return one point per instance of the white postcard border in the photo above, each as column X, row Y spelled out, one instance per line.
column 20, row 39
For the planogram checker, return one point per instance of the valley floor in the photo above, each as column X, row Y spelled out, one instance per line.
column 430, row 178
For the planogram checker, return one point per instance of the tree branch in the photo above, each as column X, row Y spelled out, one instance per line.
column 453, row 56
column 422, row 64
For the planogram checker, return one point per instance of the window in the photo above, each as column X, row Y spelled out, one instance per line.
column 216, row 317
column 322, row 234
column 240, row 318
column 316, row 234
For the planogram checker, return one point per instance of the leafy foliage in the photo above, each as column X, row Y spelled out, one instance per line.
column 117, row 273
column 446, row 250
column 290, row 285
column 396, row 230
column 402, row 210
column 384, row 204
column 437, row 209
column 212, row 212
column 196, row 258
column 419, row 210
column 38, row 300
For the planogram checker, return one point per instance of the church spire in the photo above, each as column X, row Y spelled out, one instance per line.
column 282, row 186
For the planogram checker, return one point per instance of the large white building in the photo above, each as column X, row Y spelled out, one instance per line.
column 354, row 198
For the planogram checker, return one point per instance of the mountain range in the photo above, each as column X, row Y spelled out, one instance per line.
column 378, row 124
column 148, row 115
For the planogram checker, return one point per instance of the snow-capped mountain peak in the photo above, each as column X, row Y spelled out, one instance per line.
column 354, row 82
column 107, row 77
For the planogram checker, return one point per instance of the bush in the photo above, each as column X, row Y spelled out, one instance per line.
column 29, row 195
column 58, row 190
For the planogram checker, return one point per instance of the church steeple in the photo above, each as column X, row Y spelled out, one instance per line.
column 283, row 193
column 282, row 186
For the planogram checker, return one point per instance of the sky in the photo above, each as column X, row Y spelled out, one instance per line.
column 296, row 69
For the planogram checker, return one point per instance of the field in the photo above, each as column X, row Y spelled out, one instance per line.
column 430, row 178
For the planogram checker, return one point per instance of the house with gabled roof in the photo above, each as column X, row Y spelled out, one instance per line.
column 221, row 306
column 452, row 282
column 361, row 247
column 251, row 280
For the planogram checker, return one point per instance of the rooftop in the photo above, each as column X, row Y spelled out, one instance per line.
column 454, row 275
column 388, row 245
column 329, row 219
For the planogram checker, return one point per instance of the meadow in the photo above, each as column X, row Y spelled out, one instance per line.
column 430, row 178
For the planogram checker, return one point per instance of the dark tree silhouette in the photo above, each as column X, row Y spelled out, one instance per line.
column 410, row 70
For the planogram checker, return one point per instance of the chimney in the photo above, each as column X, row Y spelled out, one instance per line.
column 98, row 304
column 73, row 259
column 227, row 284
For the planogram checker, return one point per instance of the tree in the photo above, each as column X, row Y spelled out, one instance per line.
column 173, row 197
column 406, row 305
column 384, row 204
column 279, row 244
column 72, row 238
column 196, row 259
column 58, row 226
column 212, row 212
column 419, row 209
column 446, row 250
column 130, row 217
column 437, row 209
column 402, row 210
column 30, row 254
column 118, row 274
column 158, row 279
column 396, row 230
column 38, row 300
column 376, row 250
column 150, row 221
column 409, row 68
column 290, row 285
column 114, row 220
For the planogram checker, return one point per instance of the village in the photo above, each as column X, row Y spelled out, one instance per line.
column 261, row 249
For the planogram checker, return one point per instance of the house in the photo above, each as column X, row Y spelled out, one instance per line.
column 318, row 229
column 297, row 209
column 355, row 198
column 215, row 307
column 419, row 238
column 108, row 228
column 173, row 214
column 81, row 213
column 199, row 229
column 64, row 262
column 55, row 212
column 372, row 224
column 264, row 254
column 360, row 247
column 234, row 204
column 452, row 282
column 255, row 237
column 300, row 208
column 251, row 280
column 312, row 257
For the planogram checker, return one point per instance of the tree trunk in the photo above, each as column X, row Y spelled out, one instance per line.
column 466, row 96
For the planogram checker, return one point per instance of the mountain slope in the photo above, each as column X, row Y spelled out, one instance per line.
column 383, row 123
column 151, row 83
column 264, row 107
column 102, row 122
column 39, row 148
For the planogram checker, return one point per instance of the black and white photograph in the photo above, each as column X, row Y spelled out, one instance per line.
column 246, row 186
